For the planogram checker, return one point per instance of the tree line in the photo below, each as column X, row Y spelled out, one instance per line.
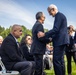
column 5, row 31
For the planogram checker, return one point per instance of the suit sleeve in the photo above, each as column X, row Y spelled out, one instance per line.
column 75, row 38
column 42, row 39
column 56, row 27
column 11, row 50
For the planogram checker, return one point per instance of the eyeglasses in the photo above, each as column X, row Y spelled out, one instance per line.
column 50, row 10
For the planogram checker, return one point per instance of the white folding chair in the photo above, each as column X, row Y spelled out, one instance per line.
column 4, row 72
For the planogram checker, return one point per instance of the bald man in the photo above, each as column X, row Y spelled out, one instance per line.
column 12, row 55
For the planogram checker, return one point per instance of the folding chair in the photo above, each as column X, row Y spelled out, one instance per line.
column 48, row 64
column 5, row 72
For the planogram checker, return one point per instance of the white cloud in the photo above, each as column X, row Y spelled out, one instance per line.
column 13, row 10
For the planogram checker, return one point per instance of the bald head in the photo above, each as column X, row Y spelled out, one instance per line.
column 15, row 27
column 16, row 30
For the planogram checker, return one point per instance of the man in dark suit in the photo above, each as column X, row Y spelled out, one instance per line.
column 39, row 44
column 60, row 39
column 11, row 54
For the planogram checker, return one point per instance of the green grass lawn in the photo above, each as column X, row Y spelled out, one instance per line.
column 51, row 72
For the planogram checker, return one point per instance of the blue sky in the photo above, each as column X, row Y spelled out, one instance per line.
column 23, row 12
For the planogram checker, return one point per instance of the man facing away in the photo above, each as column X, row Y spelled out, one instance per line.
column 11, row 54
column 60, row 39
column 39, row 44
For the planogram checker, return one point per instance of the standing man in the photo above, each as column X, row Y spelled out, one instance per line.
column 60, row 39
column 11, row 53
column 39, row 44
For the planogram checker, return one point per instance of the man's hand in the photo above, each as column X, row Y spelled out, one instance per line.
column 40, row 34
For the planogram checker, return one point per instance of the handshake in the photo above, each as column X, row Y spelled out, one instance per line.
column 42, row 34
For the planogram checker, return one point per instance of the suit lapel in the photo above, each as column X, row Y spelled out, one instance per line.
column 17, row 45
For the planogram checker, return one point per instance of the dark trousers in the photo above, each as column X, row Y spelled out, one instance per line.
column 58, row 60
column 39, row 64
column 25, row 67
column 69, row 56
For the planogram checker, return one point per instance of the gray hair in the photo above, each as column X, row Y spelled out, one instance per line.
column 53, row 6
column 38, row 15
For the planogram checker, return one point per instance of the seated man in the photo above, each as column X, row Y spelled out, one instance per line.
column 11, row 54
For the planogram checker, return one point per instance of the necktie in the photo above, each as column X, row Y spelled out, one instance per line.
column 18, row 44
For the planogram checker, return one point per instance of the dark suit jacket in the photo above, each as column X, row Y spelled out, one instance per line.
column 59, row 32
column 39, row 44
column 26, row 52
column 10, row 52
column 75, row 38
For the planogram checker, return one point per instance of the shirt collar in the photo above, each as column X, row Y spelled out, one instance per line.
column 14, row 38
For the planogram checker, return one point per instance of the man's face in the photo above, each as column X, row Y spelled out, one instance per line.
column 42, row 18
column 1, row 40
column 18, row 32
column 51, row 12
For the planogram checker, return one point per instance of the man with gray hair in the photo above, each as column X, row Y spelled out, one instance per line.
column 60, row 38
column 11, row 54
column 39, row 44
